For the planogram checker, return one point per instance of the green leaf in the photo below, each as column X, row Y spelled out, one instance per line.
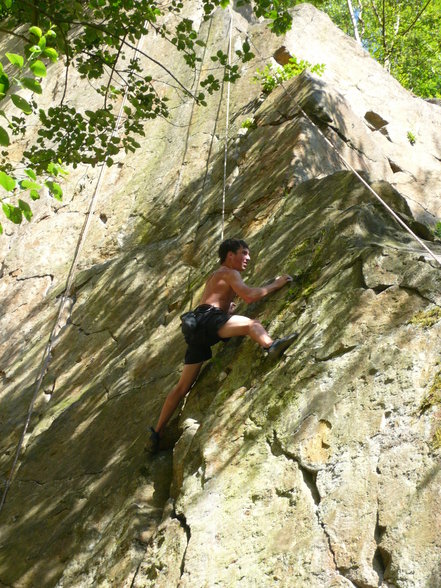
column 1, row 229
column 4, row 137
column 15, row 59
column 13, row 213
column 38, row 69
column 32, row 84
column 29, row 184
column 7, row 182
column 6, row 209
column 34, row 194
column 55, row 189
column 21, row 103
column 31, row 174
column 51, row 53
column 36, row 31
column 56, row 169
column 42, row 43
column 26, row 209
column 4, row 83
column 51, row 33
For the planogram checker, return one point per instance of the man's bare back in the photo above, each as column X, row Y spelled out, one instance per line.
column 218, row 291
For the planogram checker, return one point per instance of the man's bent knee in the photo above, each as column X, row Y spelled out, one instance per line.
column 255, row 325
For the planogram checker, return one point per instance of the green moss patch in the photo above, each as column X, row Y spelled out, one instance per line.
column 433, row 396
column 427, row 318
column 436, row 441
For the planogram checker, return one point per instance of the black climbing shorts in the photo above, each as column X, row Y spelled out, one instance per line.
column 207, row 321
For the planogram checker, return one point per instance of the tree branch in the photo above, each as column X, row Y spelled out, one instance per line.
column 188, row 92
column 103, row 61
column 67, row 66
column 354, row 22
column 384, row 27
column 374, row 8
column 3, row 30
column 398, row 34
column 107, row 32
column 415, row 20
column 164, row 36
column 112, row 71
column 360, row 18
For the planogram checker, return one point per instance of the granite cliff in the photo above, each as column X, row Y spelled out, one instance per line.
column 321, row 469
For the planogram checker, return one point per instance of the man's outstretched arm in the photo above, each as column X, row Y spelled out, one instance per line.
column 250, row 294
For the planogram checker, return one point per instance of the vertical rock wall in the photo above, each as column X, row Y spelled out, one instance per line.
column 319, row 470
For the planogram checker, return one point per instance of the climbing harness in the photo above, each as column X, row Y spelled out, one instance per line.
column 47, row 355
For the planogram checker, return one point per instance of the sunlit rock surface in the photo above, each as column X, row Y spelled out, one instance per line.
column 319, row 470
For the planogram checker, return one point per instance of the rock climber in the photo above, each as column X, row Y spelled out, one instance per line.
column 212, row 321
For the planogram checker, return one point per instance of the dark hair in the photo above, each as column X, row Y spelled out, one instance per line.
column 232, row 245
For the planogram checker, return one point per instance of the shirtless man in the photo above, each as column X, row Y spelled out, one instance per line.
column 215, row 322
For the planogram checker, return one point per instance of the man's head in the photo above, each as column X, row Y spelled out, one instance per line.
column 231, row 250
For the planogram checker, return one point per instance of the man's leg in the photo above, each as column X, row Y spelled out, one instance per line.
column 187, row 379
column 241, row 325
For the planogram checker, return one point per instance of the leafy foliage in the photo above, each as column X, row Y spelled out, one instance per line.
column 28, row 69
column 249, row 123
column 437, row 230
column 403, row 35
column 271, row 77
column 95, row 37
column 411, row 137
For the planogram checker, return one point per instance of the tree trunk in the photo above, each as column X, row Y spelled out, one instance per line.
column 354, row 22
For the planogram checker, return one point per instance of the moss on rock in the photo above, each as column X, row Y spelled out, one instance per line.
column 427, row 318
column 433, row 396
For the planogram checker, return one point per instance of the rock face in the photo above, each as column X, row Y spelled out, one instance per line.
column 321, row 469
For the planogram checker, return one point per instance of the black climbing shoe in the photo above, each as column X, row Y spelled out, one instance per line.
column 279, row 346
column 153, row 444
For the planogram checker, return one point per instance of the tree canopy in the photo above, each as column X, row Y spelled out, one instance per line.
column 403, row 35
column 94, row 36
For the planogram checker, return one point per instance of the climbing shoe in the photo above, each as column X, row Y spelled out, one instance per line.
column 153, row 443
column 279, row 345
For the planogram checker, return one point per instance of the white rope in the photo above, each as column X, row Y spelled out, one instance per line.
column 357, row 175
column 363, row 181
column 197, row 79
column 47, row 352
column 227, row 121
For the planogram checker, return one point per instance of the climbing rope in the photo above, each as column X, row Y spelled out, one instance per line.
column 207, row 161
column 193, row 102
column 66, row 294
column 357, row 175
column 227, row 120
column 363, row 181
